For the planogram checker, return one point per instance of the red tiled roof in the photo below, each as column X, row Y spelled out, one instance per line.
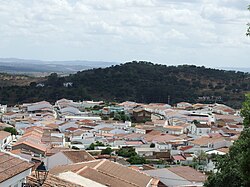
column 71, row 129
column 178, row 157
column 11, row 166
column 38, row 146
column 188, row 173
column 78, row 155
column 185, row 148
column 4, row 134
column 106, row 173
column 53, row 181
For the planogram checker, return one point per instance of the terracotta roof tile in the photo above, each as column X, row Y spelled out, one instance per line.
column 124, row 173
column 206, row 140
column 11, row 166
column 107, row 173
column 178, row 157
column 223, row 149
column 78, row 155
column 106, row 129
column 4, row 134
column 185, row 148
column 53, row 181
column 38, row 146
column 103, row 178
column 73, row 167
column 188, row 173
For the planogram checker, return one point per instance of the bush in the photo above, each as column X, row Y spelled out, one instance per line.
column 107, row 151
column 11, row 130
column 93, row 145
column 137, row 160
column 126, row 152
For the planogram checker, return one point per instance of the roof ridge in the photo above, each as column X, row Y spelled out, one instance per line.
column 117, row 178
column 83, row 151
column 82, row 169
column 126, row 168
column 78, row 163
column 131, row 169
column 99, row 164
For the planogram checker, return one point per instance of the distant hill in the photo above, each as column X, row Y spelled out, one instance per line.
column 43, row 68
column 140, row 82
column 17, row 80
column 242, row 69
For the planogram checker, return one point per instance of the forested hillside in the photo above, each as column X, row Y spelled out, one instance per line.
column 20, row 80
column 140, row 82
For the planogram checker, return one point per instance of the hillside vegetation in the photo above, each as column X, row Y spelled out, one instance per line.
column 17, row 80
column 140, row 82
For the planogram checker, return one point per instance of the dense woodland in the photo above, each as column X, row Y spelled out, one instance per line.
column 138, row 81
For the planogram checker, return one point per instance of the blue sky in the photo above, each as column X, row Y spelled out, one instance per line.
column 201, row 32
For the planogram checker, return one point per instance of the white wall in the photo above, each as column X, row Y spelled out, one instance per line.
column 163, row 146
column 16, row 180
column 63, row 127
column 202, row 131
column 56, row 160
column 7, row 139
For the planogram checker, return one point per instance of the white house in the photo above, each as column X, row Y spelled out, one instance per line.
column 5, row 139
column 209, row 143
column 238, row 128
column 70, row 111
column 163, row 146
column 146, row 151
column 199, row 129
column 177, row 130
column 40, row 106
column 89, row 104
column 105, row 130
column 14, row 170
column 9, row 117
column 3, row 108
column 66, row 157
column 203, row 118
column 140, row 131
column 223, row 109
column 184, row 105
column 66, row 125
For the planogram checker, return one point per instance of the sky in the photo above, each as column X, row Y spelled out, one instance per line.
column 172, row 32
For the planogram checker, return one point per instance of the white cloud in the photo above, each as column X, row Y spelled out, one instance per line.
column 174, row 34
column 118, row 30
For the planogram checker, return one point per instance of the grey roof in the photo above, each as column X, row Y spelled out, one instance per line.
column 168, row 178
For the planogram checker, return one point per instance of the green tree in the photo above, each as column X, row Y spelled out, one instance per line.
column 195, row 122
column 126, row 152
column 107, row 151
column 137, row 160
column 11, row 130
column 105, row 117
column 201, row 157
column 91, row 147
column 234, row 167
column 117, row 117
column 245, row 111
